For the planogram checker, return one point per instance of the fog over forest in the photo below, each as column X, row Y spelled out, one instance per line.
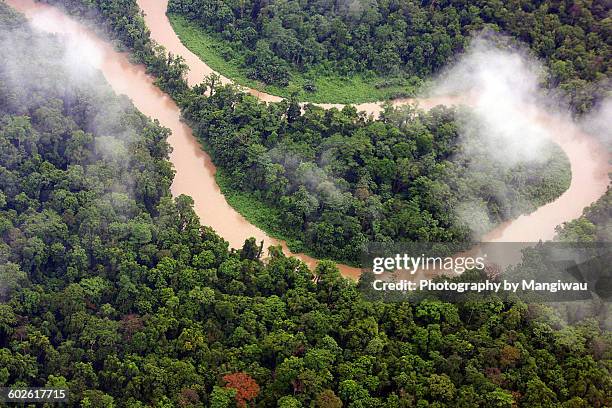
column 114, row 289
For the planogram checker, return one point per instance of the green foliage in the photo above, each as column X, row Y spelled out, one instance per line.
column 331, row 180
column 317, row 84
column 117, row 292
column 274, row 41
column 222, row 397
column 124, row 20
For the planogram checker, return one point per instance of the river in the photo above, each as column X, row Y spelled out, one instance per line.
column 195, row 172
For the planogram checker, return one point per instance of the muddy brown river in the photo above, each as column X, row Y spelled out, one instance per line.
column 195, row 173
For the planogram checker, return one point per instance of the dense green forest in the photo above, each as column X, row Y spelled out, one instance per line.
column 403, row 39
column 113, row 289
column 329, row 181
column 123, row 21
column 334, row 180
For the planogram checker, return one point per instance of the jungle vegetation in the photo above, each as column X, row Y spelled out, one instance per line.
column 112, row 289
column 393, row 44
column 332, row 180
column 343, row 178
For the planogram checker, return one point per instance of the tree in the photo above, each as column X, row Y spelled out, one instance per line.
column 327, row 399
column 12, row 278
column 97, row 399
column 222, row 397
column 539, row 395
column 288, row 402
column 250, row 249
column 246, row 387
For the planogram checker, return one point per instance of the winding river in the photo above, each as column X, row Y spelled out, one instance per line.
column 195, row 172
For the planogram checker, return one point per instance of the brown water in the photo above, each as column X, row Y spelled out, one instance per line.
column 162, row 32
column 589, row 160
column 195, row 171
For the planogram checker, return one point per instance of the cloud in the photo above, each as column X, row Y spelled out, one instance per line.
column 504, row 88
column 81, row 56
column 597, row 122
column 503, row 133
column 37, row 67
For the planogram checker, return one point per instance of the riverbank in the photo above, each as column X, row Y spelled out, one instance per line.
column 195, row 173
column 194, row 170
column 262, row 215
column 329, row 88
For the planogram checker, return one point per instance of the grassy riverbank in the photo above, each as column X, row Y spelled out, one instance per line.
column 267, row 218
column 330, row 88
column 264, row 217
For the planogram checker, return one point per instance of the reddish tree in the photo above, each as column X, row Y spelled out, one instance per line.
column 130, row 324
column 188, row 397
column 495, row 375
column 246, row 387
column 509, row 355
